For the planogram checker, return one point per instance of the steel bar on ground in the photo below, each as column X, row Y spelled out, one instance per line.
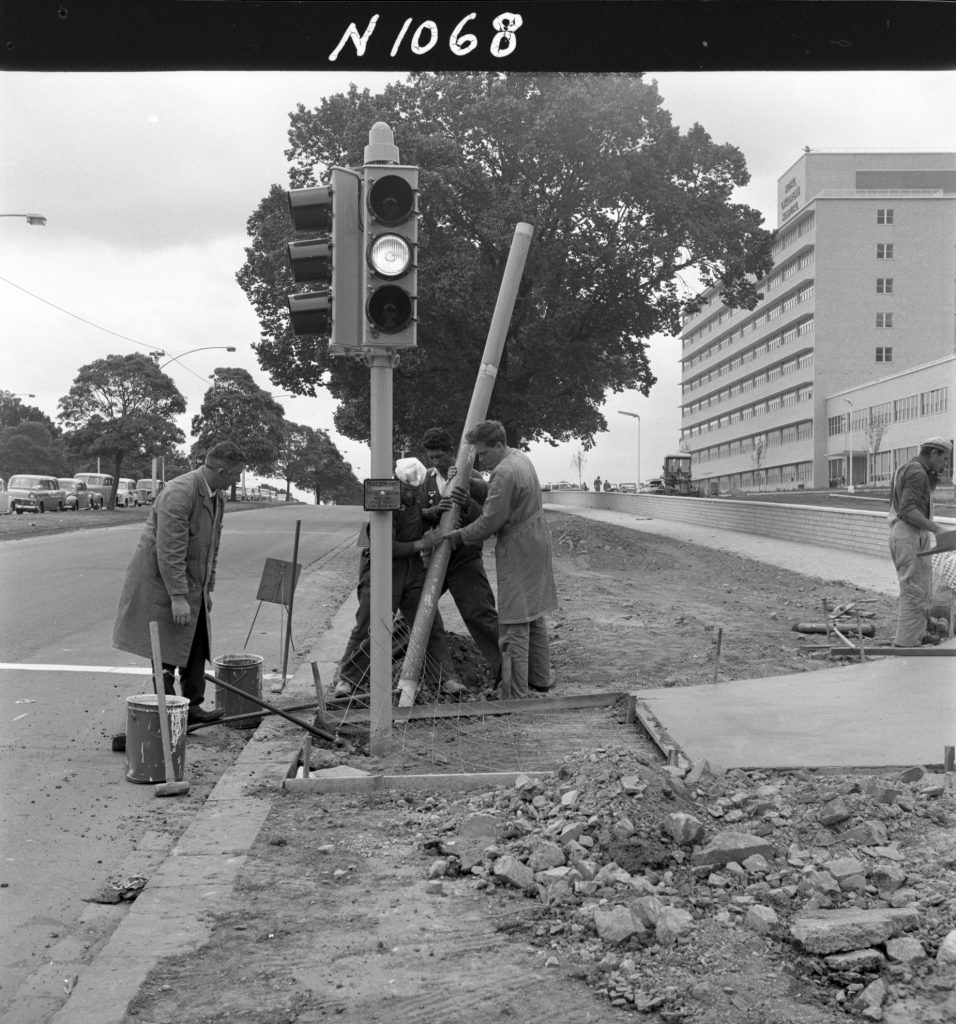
column 323, row 734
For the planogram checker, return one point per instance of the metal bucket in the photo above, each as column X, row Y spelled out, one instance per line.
column 144, row 740
column 245, row 672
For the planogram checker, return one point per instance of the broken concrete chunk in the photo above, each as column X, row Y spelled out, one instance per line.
column 946, row 954
column 871, row 999
column 869, row 833
column 683, row 828
column 616, row 924
column 761, row 919
column 509, row 869
column 671, row 924
column 905, row 950
column 833, row 812
column 546, row 855
column 730, row 846
column 864, row 961
column 836, row 931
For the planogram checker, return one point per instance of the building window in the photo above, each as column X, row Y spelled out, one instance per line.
column 884, row 216
column 884, row 354
column 884, row 286
column 884, row 250
column 884, row 319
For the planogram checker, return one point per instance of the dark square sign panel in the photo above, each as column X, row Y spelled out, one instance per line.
column 382, row 496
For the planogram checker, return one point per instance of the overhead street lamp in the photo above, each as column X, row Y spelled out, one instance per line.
column 204, row 348
column 22, row 394
column 635, row 416
column 849, row 446
column 30, row 218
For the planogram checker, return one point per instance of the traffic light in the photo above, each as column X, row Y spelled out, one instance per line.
column 391, row 256
column 331, row 260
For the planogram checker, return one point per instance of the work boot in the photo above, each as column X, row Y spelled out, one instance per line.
column 344, row 688
column 198, row 715
column 451, row 687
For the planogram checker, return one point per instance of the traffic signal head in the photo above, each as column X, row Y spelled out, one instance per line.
column 331, row 261
column 391, row 256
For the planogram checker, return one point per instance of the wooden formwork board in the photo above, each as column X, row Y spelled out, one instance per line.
column 317, row 783
column 638, row 711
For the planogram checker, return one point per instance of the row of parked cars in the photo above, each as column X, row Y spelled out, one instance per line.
column 33, row 492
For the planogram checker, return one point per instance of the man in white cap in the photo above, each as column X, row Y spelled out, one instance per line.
column 911, row 526
column 408, row 577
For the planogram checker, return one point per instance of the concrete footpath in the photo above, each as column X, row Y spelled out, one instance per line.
column 176, row 910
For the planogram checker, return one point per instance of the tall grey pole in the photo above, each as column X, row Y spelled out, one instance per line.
column 480, row 398
column 380, row 566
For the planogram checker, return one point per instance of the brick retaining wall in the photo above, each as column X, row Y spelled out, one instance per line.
column 846, row 529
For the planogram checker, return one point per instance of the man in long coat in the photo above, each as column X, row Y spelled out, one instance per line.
column 523, row 559
column 911, row 526
column 173, row 572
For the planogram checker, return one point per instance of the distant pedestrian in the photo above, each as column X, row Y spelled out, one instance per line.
column 172, row 574
column 911, row 526
column 597, row 483
column 523, row 558
column 607, row 485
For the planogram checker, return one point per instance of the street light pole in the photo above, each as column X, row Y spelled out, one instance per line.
column 30, row 218
column 204, row 348
column 635, row 416
column 849, row 446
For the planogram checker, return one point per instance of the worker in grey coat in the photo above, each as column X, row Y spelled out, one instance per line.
column 513, row 513
column 173, row 572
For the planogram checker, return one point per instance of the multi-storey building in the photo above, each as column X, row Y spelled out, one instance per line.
column 863, row 288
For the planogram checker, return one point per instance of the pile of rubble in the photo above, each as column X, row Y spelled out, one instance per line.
column 625, row 872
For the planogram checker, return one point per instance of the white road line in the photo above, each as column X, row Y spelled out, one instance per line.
column 124, row 670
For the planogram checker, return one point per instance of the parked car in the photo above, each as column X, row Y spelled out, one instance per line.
column 100, row 483
column 31, row 492
column 127, row 493
column 628, row 488
column 145, row 488
column 78, row 495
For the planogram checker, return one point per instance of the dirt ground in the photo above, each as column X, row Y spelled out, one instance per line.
column 412, row 906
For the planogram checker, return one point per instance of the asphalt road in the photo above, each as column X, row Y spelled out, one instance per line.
column 67, row 807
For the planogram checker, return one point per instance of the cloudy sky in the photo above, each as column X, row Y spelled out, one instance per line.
column 147, row 179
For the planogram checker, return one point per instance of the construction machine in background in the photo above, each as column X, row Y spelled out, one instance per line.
column 676, row 477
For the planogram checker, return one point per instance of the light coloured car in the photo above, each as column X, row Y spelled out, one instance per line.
column 145, row 488
column 128, row 494
column 33, row 492
column 79, row 496
column 99, row 483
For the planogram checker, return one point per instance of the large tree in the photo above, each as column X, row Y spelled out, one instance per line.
column 236, row 409
column 310, row 460
column 622, row 205
column 13, row 412
column 119, row 407
column 30, row 447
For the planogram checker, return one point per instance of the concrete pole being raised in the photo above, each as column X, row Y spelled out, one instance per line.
column 477, row 411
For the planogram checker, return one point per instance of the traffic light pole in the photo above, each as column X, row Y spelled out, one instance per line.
column 480, row 399
column 381, row 365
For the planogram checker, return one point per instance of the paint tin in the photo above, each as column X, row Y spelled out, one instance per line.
column 245, row 672
column 144, row 741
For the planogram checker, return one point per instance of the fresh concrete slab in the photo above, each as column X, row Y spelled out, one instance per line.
column 886, row 712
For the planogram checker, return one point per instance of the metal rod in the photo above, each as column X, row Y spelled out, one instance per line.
column 322, row 734
column 288, row 631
